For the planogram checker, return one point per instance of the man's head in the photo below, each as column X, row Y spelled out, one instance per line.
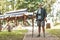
column 40, row 5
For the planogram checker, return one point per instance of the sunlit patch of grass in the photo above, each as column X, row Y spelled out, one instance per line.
column 14, row 35
column 55, row 32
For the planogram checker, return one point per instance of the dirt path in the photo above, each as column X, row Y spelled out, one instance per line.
column 28, row 36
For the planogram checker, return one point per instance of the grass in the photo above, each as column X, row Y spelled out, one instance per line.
column 14, row 35
column 55, row 32
column 56, row 24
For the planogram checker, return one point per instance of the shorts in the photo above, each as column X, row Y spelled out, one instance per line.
column 41, row 23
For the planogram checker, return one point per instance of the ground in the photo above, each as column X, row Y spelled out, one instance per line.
column 55, row 32
column 49, row 35
column 14, row 35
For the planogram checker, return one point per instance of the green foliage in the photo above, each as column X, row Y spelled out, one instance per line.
column 19, row 4
column 48, row 4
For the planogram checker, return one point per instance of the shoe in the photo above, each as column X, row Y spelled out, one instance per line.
column 38, row 35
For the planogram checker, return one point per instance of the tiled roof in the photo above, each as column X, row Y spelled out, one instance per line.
column 2, row 16
column 16, row 13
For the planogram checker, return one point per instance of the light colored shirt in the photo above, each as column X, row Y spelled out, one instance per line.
column 39, row 12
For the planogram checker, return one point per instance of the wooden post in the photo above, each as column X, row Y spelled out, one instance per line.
column 24, row 20
column 7, row 20
column 16, row 21
column 33, row 23
column 9, row 27
column 0, row 26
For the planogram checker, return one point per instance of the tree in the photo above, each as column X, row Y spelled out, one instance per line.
column 7, row 5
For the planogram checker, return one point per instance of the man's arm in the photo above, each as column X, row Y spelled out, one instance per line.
column 45, row 15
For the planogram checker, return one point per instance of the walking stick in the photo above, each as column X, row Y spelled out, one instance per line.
column 33, row 24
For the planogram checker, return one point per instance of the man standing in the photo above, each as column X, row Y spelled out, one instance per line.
column 41, row 18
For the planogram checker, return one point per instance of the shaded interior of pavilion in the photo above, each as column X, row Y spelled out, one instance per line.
column 16, row 17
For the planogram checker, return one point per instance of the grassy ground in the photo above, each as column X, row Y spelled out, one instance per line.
column 56, row 24
column 14, row 35
column 55, row 32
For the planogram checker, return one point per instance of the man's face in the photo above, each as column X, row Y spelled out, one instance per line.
column 40, row 6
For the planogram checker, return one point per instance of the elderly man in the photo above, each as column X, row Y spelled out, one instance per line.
column 41, row 18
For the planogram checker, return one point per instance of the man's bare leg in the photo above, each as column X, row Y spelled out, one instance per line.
column 39, row 30
column 43, row 28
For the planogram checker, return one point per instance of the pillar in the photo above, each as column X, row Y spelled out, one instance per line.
column 24, row 19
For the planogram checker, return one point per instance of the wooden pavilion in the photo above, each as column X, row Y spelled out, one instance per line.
column 17, row 15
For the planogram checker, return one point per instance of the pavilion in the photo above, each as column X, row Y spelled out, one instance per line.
column 17, row 15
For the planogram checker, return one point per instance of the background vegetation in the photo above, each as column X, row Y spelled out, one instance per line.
column 10, row 5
